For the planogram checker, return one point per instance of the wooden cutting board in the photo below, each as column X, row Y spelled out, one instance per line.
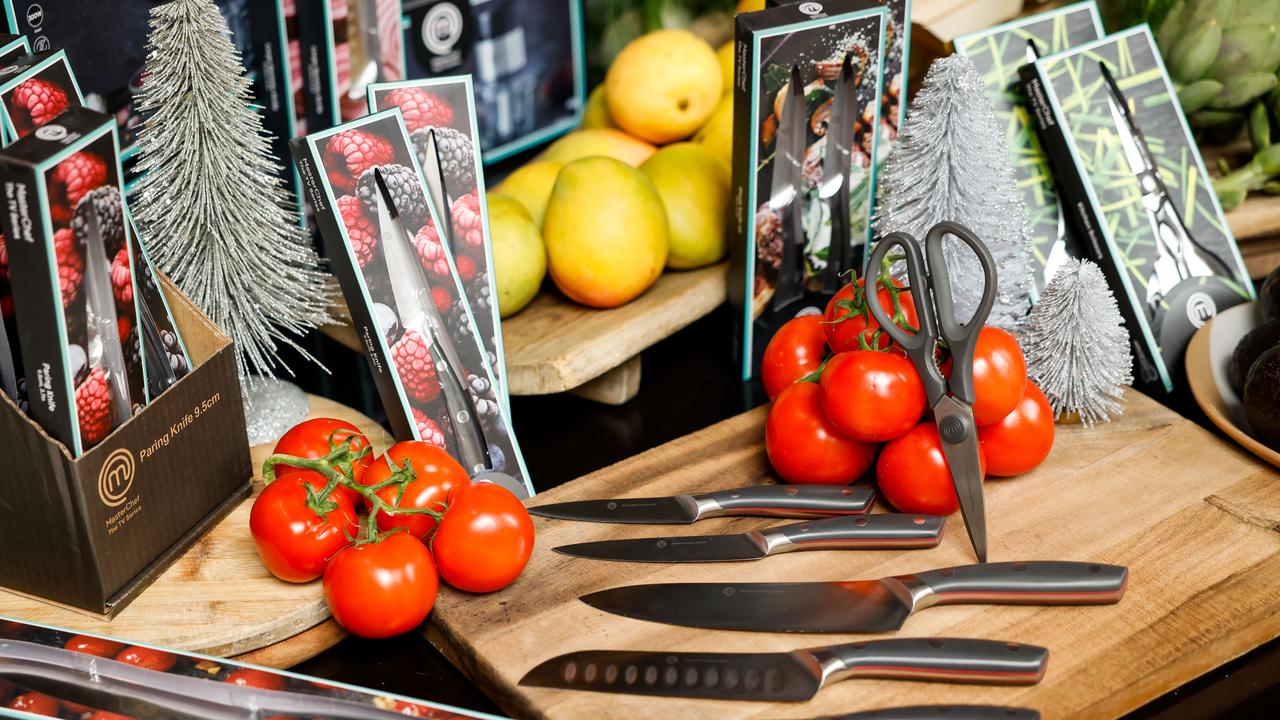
column 1196, row 520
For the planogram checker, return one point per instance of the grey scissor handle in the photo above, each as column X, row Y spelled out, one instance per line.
column 791, row 501
column 863, row 532
column 957, row 660
column 942, row 712
column 1048, row 582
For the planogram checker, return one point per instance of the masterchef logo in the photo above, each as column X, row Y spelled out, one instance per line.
column 116, row 477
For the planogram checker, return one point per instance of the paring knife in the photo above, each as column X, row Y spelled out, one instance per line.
column 942, row 712
column 791, row 501
column 862, row 532
column 795, row 675
column 862, row 605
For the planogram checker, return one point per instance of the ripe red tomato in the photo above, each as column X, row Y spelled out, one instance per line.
column 999, row 375
column 94, row 646
column 842, row 335
column 249, row 677
column 913, row 474
column 310, row 439
column 872, row 396
column 292, row 540
column 1022, row 439
column 381, row 589
column 484, row 540
column 793, row 352
column 149, row 658
column 36, row 704
column 436, row 473
column 804, row 447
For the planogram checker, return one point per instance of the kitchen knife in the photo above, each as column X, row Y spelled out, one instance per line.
column 862, row 605
column 861, row 532
column 941, row 712
column 793, row 501
column 795, row 675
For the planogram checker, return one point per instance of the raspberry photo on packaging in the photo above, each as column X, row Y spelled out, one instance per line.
column 69, row 257
column 35, row 89
column 346, row 46
column 441, row 118
column 407, row 295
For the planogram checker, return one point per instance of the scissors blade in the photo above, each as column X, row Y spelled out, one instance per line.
column 1136, row 152
column 966, row 468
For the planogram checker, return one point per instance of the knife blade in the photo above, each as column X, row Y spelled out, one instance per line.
column 861, row 532
column 789, row 501
column 862, row 605
column 786, row 191
column 796, row 675
column 941, row 712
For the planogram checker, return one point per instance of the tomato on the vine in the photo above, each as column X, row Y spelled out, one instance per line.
column 484, row 540
column 310, row 439
column 847, row 318
column 999, row 375
column 90, row 645
column 1022, row 439
column 435, row 474
column 149, row 658
column 872, row 396
column 381, row 589
column 804, row 447
column 913, row 474
column 292, row 540
column 249, row 677
column 793, row 352
column 36, row 704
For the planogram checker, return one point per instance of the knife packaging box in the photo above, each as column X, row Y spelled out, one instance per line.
column 998, row 53
column 338, row 62
column 1169, row 255
column 440, row 114
column 34, row 89
column 11, row 380
column 337, row 168
column 815, row 38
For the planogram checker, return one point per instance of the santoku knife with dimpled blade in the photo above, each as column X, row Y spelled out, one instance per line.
column 789, row 501
column 795, row 675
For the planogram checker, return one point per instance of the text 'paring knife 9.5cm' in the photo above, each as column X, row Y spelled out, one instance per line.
column 890, row 531
column 788, row 501
column 862, row 605
column 795, row 675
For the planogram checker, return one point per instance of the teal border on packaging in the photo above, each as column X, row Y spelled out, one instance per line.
column 1103, row 227
column 748, row 345
column 315, row 143
column 1089, row 5
column 21, row 42
column 10, row 130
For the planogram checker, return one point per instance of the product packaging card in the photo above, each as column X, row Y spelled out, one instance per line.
column 13, row 47
column 165, row 354
column 525, row 57
column 1137, row 193
column 346, row 46
column 35, row 89
column 787, row 195
column 998, row 52
column 406, row 293
column 441, row 119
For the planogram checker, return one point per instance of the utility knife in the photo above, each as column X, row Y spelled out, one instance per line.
column 788, row 501
column 796, row 675
column 862, row 605
column 859, row 532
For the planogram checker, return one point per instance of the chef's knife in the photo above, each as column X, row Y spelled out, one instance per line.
column 861, row 532
column 862, row 605
column 792, row 501
column 941, row 712
column 786, row 195
column 795, row 675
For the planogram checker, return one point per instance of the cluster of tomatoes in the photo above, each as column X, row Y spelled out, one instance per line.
column 835, row 415
column 383, row 531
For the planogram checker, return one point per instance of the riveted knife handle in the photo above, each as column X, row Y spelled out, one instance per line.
column 950, row 712
column 861, row 532
column 1049, row 582
column 789, row 501
column 956, row 660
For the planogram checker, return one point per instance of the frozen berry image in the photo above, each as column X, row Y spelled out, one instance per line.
column 122, row 278
column 456, row 153
column 124, row 327
column 466, row 268
column 360, row 230
column 70, row 265
column 106, row 202
column 4, row 259
column 431, row 251
column 356, row 151
column 71, row 180
column 468, row 224
column 443, row 300
column 428, row 430
column 387, row 322
column 405, row 188
column 37, row 101
column 416, row 369
column 420, row 108
column 93, row 407
column 173, row 349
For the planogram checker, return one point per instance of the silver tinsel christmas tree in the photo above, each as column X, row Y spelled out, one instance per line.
column 951, row 163
column 1076, row 346
column 212, row 207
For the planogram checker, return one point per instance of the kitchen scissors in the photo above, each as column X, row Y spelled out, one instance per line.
column 951, row 400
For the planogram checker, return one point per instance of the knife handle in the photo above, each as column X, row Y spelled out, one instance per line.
column 861, row 532
column 788, row 501
column 957, row 660
column 950, row 712
column 1049, row 582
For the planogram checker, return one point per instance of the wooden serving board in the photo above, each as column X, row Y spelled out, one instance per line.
column 1194, row 518
column 218, row 599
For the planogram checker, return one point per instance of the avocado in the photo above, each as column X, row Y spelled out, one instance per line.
column 1270, row 296
column 1262, row 398
column 1254, row 343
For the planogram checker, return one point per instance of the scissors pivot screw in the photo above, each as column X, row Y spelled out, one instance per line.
column 953, row 429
